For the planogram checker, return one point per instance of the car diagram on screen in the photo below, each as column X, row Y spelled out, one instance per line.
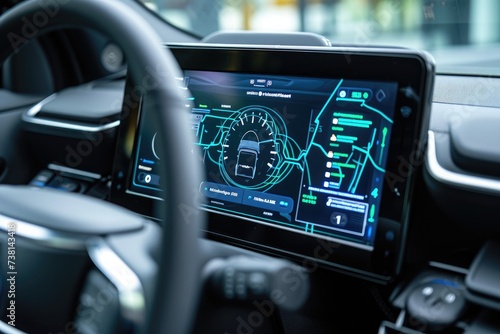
column 254, row 142
column 248, row 155
column 250, row 147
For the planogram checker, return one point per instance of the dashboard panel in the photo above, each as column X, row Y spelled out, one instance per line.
column 429, row 232
column 308, row 152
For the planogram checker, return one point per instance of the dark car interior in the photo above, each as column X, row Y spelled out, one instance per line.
column 306, row 186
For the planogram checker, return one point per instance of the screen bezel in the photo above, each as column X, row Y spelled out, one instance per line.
column 413, row 70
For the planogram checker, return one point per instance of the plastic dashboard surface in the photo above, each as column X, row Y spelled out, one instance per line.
column 308, row 152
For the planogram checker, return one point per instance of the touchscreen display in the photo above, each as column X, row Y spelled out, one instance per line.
column 298, row 153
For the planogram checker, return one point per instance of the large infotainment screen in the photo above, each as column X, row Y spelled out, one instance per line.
column 294, row 155
column 301, row 153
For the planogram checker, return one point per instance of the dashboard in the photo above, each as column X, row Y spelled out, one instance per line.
column 362, row 165
column 295, row 157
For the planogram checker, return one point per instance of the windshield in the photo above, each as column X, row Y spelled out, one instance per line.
column 461, row 34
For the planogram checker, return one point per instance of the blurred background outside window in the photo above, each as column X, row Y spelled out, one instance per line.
column 428, row 24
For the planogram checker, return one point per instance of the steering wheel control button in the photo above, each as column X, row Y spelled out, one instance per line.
column 229, row 283
column 257, row 283
column 247, row 279
column 438, row 304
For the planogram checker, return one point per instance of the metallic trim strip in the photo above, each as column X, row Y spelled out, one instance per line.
column 449, row 267
column 65, row 169
column 37, row 107
column 401, row 319
column 468, row 182
column 130, row 290
column 30, row 117
column 8, row 329
column 143, row 195
column 43, row 235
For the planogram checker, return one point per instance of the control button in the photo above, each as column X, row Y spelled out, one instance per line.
column 284, row 204
column 450, row 298
column 41, row 179
column 427, row 291
column 257, row 283
column 406, row 111
column 229, row 283
column 390, row 236
column 65, row 184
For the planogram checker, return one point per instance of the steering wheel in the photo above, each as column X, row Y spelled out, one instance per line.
column 70, row 253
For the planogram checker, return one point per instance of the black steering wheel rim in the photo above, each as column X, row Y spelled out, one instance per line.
column 154, row 71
